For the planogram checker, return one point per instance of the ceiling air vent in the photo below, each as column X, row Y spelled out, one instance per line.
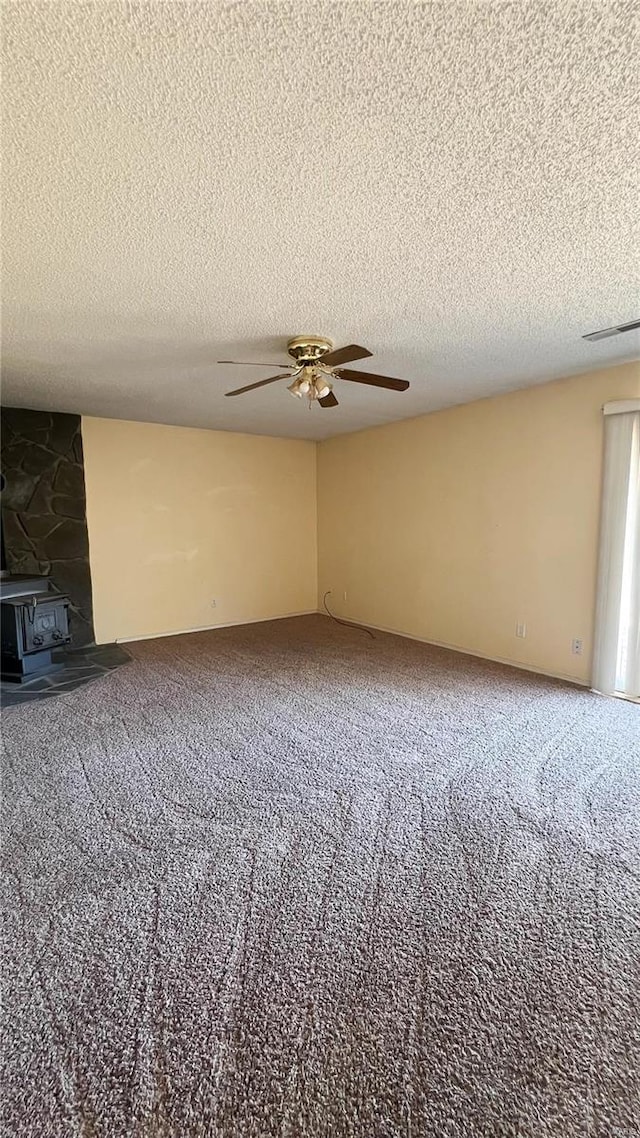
column 606, row 332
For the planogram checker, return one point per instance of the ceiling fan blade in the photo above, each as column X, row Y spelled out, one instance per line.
column 345, row 355
column 252, row 363
column 374, row 380
column 329, row 400
column 261, row 383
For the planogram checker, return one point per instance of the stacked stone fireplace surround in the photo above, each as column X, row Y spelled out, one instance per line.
column 44, row 508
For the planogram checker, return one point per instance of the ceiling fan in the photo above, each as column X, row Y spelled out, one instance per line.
column 317, row 362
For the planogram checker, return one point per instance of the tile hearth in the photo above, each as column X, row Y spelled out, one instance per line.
column 80, row 666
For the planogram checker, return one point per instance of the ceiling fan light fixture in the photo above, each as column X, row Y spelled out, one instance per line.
column 312, row 384
column 322, row 387
column 297, row 385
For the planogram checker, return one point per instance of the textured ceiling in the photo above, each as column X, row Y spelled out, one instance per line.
column 451, row 184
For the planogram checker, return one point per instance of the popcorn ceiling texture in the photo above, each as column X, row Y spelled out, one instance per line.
column 451, row 184
column 284, row 881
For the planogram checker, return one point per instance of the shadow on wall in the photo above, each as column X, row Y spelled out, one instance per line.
column 44, row 507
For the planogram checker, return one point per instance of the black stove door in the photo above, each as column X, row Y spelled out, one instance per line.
column 45, row 624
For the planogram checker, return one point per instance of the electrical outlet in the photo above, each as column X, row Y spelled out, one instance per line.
column 521, row 629
column 576, row 646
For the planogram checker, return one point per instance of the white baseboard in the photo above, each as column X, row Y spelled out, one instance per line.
column 377, row 627
column 466, row 651
column 210, row 627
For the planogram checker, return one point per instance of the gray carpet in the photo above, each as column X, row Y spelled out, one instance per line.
column 286, row 880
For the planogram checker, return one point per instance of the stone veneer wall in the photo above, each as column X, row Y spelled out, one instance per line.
column 44, row 507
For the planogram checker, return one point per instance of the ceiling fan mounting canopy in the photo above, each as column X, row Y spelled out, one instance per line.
column 308, row 349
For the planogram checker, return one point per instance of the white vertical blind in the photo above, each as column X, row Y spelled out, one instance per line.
column 616, row 664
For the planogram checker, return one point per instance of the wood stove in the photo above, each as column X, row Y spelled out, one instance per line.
column 35, row 620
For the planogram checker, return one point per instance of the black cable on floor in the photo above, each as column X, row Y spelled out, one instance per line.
column 345, row 623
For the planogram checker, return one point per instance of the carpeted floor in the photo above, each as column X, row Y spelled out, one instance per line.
column 286, row 880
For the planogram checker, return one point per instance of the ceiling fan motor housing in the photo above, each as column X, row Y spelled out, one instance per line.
column 308, row 349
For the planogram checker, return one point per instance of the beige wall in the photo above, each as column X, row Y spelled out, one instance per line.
column 451, row 527
column 454, row 526
column 178, row 517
